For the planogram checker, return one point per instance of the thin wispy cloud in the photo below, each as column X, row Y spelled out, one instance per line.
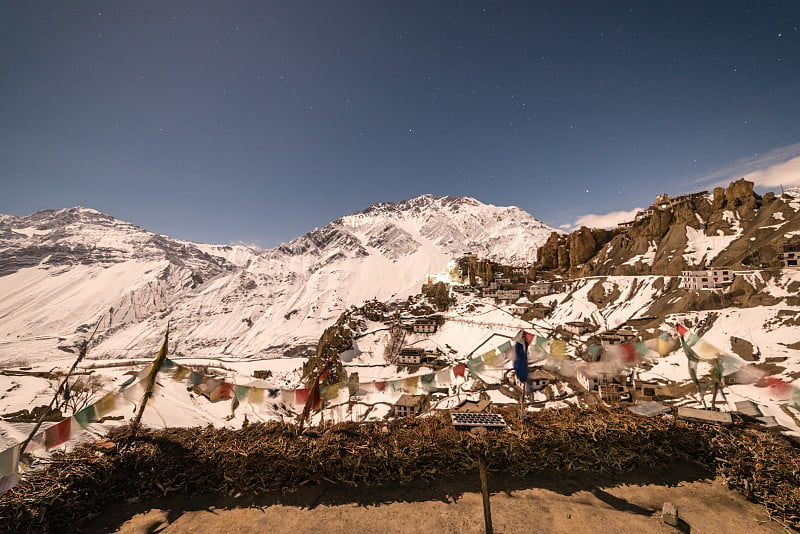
column 778, row 167
column 607, row 220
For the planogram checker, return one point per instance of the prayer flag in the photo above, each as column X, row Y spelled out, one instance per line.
column 666, row 344
column 490, row 358
column 288, row 397
column 558, row 348
column 505, row 347
column 241, row 392
column 779, row 387
column 705, row 350
column 521, row 362
column 459, row 369
column 105, row 405
column 180, row 373
column 443, row 377
column 58, row 433
column 86, row 416
column 128, row 382
column 529, row 337
column 8, row 460
column 427, row 382
column 475, row 365
column 682, row 330
column 411, row 384
column 629, row 354
column 8, row 482
column 331, row 391
column 692, row 364
column 256, row 396
column 300, row 396
column 195, row 379
column 641, row 349
column 380, row 385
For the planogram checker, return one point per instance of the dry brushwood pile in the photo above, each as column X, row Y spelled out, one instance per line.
column 152, row 464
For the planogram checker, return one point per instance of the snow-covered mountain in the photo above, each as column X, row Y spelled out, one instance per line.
column 62, row 271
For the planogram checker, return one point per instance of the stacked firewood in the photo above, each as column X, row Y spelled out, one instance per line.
column 137, row 465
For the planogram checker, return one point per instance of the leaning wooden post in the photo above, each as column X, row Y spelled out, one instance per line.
column 487, row 511
column 81, row 356
column 151, row 379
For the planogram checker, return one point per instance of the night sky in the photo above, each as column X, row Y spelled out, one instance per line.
column 257, row 121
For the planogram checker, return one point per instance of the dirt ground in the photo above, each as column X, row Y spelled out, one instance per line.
column 550, row 503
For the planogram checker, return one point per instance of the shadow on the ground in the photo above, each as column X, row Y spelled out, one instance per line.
column 445, row 490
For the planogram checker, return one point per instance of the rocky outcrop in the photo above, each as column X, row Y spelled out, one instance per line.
column 657, row 242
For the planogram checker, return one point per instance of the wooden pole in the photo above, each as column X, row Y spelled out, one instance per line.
column 81, row 356
column 487, row 511
column 151, row 380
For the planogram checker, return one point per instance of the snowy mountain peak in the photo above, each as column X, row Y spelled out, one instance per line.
column 236, row 300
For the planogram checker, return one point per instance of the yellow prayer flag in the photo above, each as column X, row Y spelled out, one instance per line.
column 105, row 405
column 558, row 348
column 256, row 396
column 665, row 346
column 181, row 372
column 490, row 358
column 411, row 384
column 332, row 391
column 706, row 351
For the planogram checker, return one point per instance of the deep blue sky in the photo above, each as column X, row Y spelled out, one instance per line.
column 257, row 121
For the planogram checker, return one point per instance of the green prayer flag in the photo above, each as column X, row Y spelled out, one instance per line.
column 86, row 416
column 241, row 392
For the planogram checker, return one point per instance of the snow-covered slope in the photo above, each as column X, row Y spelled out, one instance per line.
column 62, row 271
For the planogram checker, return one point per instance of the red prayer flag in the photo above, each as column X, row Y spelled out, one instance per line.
column 778, row 386
column 459, row 369
column 58, row 433
column 529, row 337
column 380, row 386
column 629, row 353
column 300, row 396
column 682, row 330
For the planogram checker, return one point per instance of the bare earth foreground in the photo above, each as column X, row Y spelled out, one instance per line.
column 552, row 503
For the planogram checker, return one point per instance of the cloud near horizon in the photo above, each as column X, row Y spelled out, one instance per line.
column 778, row 167
column 607, row 220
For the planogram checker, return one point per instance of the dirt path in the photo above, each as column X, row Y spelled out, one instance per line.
column 548, row 504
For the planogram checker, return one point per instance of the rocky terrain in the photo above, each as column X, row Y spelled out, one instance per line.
column 733, row 227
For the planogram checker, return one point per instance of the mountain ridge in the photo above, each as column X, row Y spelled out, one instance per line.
column 80, row 266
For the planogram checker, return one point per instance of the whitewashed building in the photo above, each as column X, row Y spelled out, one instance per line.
column 706, row 279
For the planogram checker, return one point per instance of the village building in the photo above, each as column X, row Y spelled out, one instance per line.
column 507, row 295
column 789, row 256
column 706, row 279
column 424, row 326
column 520, row 273
column 540, row 379
column 593, row 381
column 541, row 288
column 411, row 356
column 579, row 328
column 628, row 224
column 614, row 393
column 541, row 311
column 618, row 336
column 408, row 405
column 521, row 306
